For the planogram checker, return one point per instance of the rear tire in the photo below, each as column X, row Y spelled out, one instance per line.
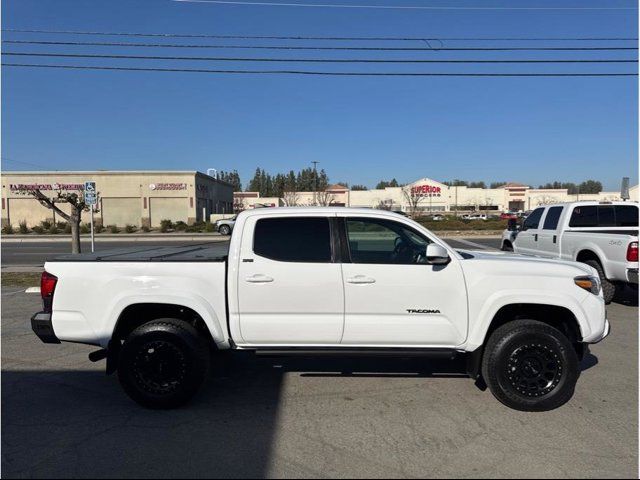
column 530, row 366
column 163, row 363
column 608, row 288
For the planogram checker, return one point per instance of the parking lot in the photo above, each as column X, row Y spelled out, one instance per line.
column 261, row 417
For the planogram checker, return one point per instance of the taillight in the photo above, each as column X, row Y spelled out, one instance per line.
column 47, row 287
column 632, row 252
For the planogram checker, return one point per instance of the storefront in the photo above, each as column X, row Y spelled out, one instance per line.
column 138, row 198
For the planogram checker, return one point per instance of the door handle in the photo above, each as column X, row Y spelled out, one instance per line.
column 535, row 237
column 361, row 280
column 259, row 278
column 555, row 238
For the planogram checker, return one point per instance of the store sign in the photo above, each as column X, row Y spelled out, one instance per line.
column 168, row 186
column 46, row 186
column 426, row 191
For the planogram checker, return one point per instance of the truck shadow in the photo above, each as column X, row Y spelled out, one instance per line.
column 70, row 423
column 627, row 296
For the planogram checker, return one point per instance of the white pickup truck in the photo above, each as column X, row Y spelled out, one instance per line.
column 603, row 235
column 326, row 281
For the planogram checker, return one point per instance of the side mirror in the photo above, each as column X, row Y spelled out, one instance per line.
column 437, row 255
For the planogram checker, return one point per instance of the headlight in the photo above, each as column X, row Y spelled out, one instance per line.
column 590, row 283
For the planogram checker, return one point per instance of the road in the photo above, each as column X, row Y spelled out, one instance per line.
column 35, row 253
column 260, row 417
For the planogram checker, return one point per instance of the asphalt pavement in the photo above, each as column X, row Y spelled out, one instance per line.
column 259, row 417
column 35, row 253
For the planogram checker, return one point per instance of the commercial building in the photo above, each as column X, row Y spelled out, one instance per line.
column 139, row 198
column 427, row 195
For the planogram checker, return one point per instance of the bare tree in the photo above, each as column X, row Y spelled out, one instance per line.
column 324, row 198
column 76, row 203
column 413, row 196
column 385, row 204
column 291, row 198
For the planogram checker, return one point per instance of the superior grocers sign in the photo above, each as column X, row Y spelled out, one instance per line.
column 426, row 191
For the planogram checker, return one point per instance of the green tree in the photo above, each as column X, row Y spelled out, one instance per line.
column 497, row 184
column 359, row 187
column 233, row 178
column 384, row 184
column 590, row 186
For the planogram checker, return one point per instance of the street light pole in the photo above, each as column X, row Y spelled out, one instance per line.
column 315, row 182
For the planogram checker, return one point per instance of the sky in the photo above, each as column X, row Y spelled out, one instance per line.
column 360, row 129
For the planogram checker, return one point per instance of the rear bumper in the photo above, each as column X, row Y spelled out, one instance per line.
column 632, row 275
column 43, row 327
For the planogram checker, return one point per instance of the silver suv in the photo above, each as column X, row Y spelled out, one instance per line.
column 225, row 225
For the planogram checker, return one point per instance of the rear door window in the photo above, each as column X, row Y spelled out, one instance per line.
column 552, row 218
column 293, row 239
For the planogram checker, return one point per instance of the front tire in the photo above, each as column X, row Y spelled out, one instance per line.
column 608, row 288
column 507, row 247
column 225, row 230
column 530, row 366
column 163, row 363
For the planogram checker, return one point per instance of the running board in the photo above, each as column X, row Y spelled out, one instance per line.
column 364, row 352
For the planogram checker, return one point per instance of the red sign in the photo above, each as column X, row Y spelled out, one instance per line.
column 426, row 191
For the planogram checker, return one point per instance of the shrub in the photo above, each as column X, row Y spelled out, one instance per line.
column 165, row 225
column 85, row 228
column 8, row 229
column 180, row 226
column 130, row 228
column 98, row 228
column 145, row 229
column 46, row 224
column 38, row 229
column 23, row 227
column 209, row 227
column 67, row 228
column 53, row 229
column 113, row 228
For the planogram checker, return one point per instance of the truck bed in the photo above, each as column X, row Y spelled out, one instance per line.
column 202, row 252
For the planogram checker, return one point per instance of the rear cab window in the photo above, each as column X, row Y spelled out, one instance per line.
column 293, row 239
column 604, row 216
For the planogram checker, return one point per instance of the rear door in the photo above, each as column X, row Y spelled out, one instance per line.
column 289, row 284
column 549, row 236
column 392, row 297
column 527, row 239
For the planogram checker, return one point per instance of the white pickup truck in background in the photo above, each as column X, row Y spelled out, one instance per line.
column 602, row 235
column 326, row 281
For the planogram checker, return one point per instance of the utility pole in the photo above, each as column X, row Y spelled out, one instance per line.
column 315, row 182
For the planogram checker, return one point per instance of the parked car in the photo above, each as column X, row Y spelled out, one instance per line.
column 225, row 226
column 325, row 281
column 508, row 215
column 478, row 216
column 602, row 235
column 438, row 217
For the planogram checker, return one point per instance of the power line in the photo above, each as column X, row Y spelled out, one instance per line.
column 392, row 7
column 302, row 37
column 304, row 60
column 286, row 47
column 321, row 73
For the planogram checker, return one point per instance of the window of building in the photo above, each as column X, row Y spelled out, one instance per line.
column 385, row 242
column 293, row 239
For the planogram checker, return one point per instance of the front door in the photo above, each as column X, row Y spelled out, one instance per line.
column 527, row 239
column 392, row 297
column 289, row 288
